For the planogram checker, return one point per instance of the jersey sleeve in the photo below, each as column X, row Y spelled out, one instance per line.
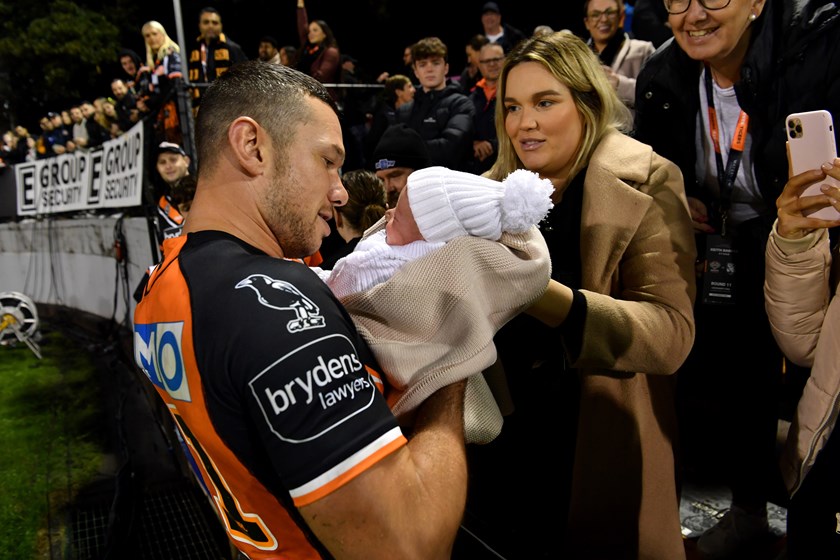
column 287, row 375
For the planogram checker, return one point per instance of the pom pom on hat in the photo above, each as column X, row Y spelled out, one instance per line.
column 526, row 202
column 447, row 204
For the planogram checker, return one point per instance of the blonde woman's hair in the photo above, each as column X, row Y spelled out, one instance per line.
column 574, row 65
column 168, row 45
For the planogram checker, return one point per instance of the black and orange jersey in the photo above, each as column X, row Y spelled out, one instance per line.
column 277, row 397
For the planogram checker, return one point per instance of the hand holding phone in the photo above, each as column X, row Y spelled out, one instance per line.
column 810, row 144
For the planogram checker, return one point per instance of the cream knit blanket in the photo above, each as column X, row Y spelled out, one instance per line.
column 434, row 321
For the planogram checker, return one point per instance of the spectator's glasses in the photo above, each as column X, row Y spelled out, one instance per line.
column 681, row 6
column 610, row 15
column 497, row 60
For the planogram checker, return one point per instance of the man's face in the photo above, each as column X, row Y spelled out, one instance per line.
column 46, row 124
column 491, row 20
column 172, row 167
column 302, row 189
column 266, row 51
column 56, row 121
column 88, row 110
column 128, row 65
column 407, row 56
column 394, row 181
column 210, row 26
column 431, row 72
column 119, row 89
column 490, row 61
column 76, row 115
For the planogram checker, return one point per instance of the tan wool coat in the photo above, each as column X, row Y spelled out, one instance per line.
column 800, row 291
column 637, row 254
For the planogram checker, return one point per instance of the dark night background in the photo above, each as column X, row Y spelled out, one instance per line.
column 374, row 32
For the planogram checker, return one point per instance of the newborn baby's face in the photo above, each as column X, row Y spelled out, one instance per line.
column 401, row 228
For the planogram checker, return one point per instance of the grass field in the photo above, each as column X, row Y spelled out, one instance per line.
column 50, row 441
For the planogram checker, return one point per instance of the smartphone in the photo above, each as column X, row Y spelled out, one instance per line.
column 811, row 143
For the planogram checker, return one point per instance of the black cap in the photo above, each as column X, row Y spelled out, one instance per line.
column 401, row 146
column 171, row 148
column 490, row 7
column 52, row 114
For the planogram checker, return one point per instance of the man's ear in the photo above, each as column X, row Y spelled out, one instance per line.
column 249, row 144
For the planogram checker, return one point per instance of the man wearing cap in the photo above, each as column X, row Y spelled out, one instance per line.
column 498, row 32
column 173, row 165
column 399, row 152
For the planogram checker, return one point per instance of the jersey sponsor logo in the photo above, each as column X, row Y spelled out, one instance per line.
column 330, row 377
column 157, row 351
column 281, row 295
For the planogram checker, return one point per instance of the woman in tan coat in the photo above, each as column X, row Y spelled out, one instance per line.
column 618, row 323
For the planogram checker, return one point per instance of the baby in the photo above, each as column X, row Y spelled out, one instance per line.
column 436, row 206
column 432, row 282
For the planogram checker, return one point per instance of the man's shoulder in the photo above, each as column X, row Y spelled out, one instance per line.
column 453, row 92
column 454, row 97
column 512, row 32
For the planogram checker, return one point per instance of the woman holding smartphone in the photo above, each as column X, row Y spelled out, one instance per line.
column 804, row 310
column 714, row 101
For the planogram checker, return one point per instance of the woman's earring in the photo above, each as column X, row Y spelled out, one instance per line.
column 752, row 17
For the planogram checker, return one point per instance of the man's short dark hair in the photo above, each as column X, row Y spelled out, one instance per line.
column 269, row 39
column 209, row 10
column 271, row 94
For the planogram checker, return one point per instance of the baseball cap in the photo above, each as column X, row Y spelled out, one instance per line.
column 401, row 146
column 490, row 7
column 171, row 148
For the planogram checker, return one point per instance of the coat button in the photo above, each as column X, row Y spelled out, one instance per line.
column 666, row 106
column 648, row 94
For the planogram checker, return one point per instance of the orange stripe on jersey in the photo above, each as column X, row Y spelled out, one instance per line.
column 376, row 378
column 340, row 481
column 313, row 260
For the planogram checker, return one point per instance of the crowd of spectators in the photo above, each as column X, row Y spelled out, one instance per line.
column 138, row 87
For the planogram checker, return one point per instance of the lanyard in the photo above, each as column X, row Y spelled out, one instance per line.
column 726, row 177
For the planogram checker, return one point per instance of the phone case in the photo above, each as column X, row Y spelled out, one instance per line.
column 811, row 143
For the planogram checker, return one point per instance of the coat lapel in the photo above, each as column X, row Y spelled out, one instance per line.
column 613, row 207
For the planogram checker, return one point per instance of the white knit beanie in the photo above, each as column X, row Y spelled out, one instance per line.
column 447, row 204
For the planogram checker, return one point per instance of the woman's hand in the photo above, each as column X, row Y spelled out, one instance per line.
column 792, row 208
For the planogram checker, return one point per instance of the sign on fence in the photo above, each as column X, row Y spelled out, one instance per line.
column 109, row 176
